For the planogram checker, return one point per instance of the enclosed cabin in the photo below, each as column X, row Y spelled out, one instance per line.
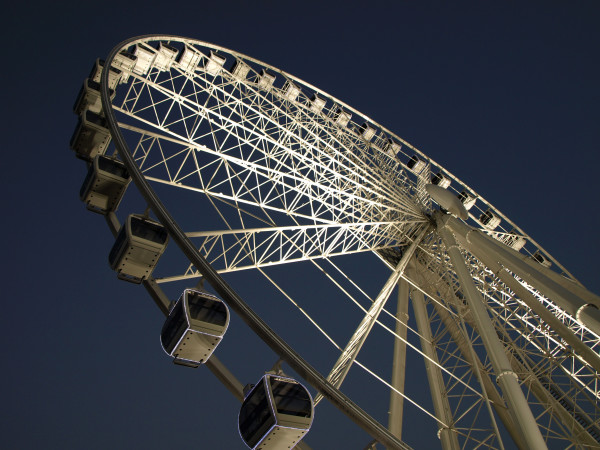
column 366, row 131
column 392, row 148
column 114, row 75
column 265, row 79
column 89, row 98
column 165, row 56
column 137, row 249
column 515, row 240
column 416, row 164
column 188, row 59
column 91, row 137
column 125, row 62
column 145, row 56
column 104, row 186
column 240, row 69
column 441, row 180
column 342, row 118
column 467, row 199
column 215, row 62
column 537, row 256
column 194, row 327
column 489, row 220
column 276, row 413
column 317, row 103
column 290, row 91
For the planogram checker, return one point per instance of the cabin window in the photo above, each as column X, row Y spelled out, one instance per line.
column 113, row 167
column 96, row 119
column 207, row 310
column 174, row 327
column 255, row 416
column 148, row 230
column 291, row 398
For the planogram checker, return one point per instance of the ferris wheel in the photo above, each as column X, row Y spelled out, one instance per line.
column 246, row 168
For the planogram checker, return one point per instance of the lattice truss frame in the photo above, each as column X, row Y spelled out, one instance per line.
column 266, row 155
column 561, row 388
column 286, row 133
column 293, row 181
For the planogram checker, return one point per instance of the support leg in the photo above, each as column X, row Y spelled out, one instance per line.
column 448, row 437
column 505, row 377
column 399, row 362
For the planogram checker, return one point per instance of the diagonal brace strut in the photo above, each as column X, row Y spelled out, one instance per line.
column 350, row 352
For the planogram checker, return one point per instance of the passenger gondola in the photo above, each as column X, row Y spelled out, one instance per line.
column 489, row 220
column 89, row 98
column 194, row 327
column 441, row 180
column 138, row 247
column 114, row 74
column 276, row 413
column 91, row 136
column 104, row 186
column 468, row 200
column 537, row 256
column 416, row 164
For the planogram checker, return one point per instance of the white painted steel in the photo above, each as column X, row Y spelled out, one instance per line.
column 297, row 176
column 396, row 413
column 350, row 352
column 505, row 376
column 446, row 433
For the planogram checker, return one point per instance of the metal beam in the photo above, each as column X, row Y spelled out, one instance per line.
column 427, row 277
column 505, row 376
column 447, row 435
column 585, row 352
column 348, row 356
column 585, row 313
column 399, row 361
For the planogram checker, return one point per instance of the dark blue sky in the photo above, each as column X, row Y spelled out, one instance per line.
column 504, row 95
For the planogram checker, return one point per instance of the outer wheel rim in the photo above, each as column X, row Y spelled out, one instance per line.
column 157, row 207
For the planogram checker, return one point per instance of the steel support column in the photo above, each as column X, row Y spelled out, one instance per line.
column 505, row 376
column 585, row 352
column 586, row 313
column 351, row 350
column 447, row 435
column 399, row 361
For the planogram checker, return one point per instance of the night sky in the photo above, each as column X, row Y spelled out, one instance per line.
column 504, row 95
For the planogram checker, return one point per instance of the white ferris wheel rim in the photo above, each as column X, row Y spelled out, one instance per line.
column 192, row 253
